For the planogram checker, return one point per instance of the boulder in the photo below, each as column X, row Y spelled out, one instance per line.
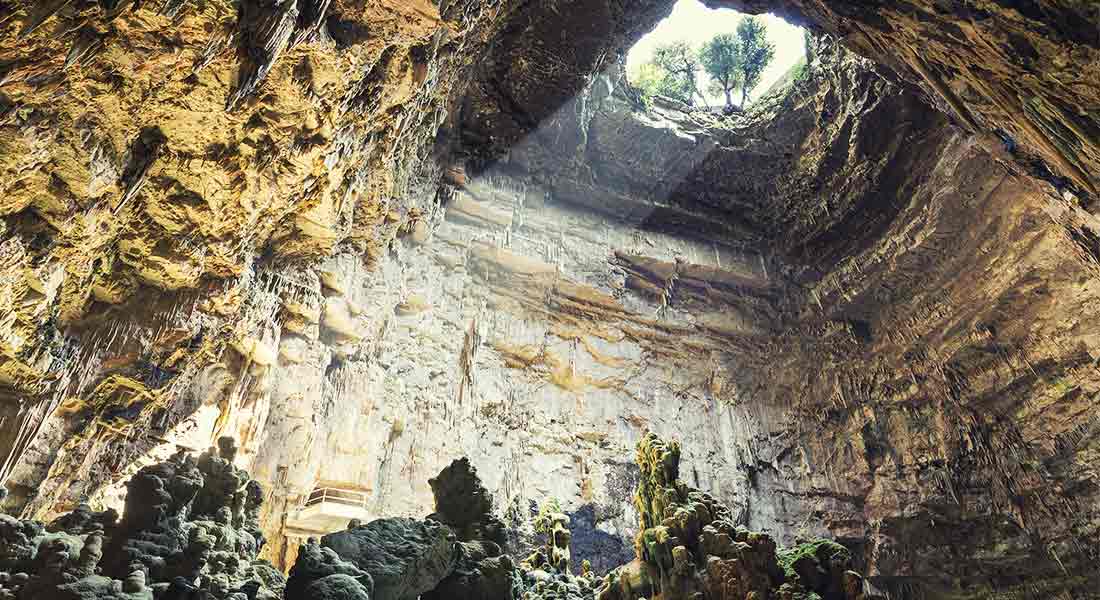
column 337, row 587
column 491, row 578
column 404, row 557
column 315, row 564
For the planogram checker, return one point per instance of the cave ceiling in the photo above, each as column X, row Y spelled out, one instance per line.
column 210, row 211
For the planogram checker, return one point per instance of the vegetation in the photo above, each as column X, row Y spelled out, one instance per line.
column 646, row 78
column 722, row 59
column 729, row 61
column 678, row 64
column 756, row 54
column 544, row 520
column 818, row 553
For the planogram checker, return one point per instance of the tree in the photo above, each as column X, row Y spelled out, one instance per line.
column 722, row 60
column 647, row 79
column 756, row 53
column 680, row 67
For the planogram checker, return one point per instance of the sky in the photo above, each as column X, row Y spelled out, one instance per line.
column 692, row 21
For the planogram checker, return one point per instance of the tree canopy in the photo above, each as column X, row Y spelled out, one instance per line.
column 756, row 53
column 729, row 61
column 678, row 64
column 721, row 58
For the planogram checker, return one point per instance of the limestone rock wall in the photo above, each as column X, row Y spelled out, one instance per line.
column 1026, row 71
column 154, row 159
column 926, row 369
column 509, row 336
column 330, row 351
column 226, row 218
column 177, row 180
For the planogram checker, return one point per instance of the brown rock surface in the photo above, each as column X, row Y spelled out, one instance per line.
column 895, row 342
column 1028, row 68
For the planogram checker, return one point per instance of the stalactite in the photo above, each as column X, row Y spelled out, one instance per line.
column 266, row 28
column 87, row 42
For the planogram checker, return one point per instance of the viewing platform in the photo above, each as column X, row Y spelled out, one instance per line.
column 329, row 508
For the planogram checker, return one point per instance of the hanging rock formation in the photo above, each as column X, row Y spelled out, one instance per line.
column 1027, row 71
column 364, row 237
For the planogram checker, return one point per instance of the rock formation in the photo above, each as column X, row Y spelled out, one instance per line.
column 483, row 570
column 689, row 547
column 404, row 557
column 878, row 263
column 188, row 531
column 320, row 573
column 168, row 547
column 364, row 237
column 1026, row 71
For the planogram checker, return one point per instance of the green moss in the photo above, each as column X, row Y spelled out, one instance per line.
column 818, row 550
column 800, row 70
column 1062, row 387
column 544, row 521
column 796, row 592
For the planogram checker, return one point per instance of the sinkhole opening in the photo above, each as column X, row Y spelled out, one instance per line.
column 717, row 59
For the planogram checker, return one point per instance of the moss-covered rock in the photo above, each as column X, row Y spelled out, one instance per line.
column 188, row 531
column 689, row 546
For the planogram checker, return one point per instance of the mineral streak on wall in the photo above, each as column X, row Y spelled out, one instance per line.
column 868, row 305
column 511, row 335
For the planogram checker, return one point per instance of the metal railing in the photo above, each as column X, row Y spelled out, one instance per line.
column 337, row 496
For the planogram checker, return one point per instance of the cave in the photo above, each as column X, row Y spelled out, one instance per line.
column 421, row 298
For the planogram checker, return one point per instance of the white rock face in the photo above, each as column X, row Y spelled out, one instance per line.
column 529, row 345
column 340, row 319
column 534, row 361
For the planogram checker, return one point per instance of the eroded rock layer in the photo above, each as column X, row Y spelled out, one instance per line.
column 867, row 318
column 1028, row 71
column 924, row 366
column 167, row 547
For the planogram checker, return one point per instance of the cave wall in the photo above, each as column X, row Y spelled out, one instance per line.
column 145, row 195
column 924, row 384
column 176, row 179
column 893, row 345
column 507, row 335
column 1028, row 71
column 951, row 401
column 203, row 203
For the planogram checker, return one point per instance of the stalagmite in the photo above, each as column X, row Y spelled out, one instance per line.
column 368, row 238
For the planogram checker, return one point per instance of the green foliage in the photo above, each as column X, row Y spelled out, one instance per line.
column 800, row 70
column 646, row 78
column 728, row 61
column 817, row 551
column 795, row 592
column 802, row 67
column 679, row 67
column 544, row 521
column 756, row 53
column 1063, row 387
column 721, row 58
